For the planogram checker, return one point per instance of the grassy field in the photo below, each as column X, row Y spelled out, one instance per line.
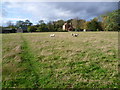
column 36, row 60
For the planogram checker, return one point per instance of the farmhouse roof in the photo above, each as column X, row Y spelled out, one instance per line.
column 6, row 28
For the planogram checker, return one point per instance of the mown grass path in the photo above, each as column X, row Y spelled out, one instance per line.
column 29, row 74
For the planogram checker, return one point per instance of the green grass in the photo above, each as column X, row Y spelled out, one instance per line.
column 36, row 60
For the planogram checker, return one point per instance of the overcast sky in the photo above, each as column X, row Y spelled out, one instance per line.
column 49, row 11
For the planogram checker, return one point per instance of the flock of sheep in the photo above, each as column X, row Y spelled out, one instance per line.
column 73, row 34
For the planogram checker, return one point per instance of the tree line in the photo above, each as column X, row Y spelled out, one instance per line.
column 106, row 22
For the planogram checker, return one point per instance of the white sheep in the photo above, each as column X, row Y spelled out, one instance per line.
column 74, row 35
column 52, row 35
column 84, row 30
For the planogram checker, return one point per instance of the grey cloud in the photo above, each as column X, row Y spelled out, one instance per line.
column 86, row 10
column 59, row 10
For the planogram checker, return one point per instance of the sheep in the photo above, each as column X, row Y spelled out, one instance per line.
column 74, row 35
column 52, row 35
column 84, row 30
